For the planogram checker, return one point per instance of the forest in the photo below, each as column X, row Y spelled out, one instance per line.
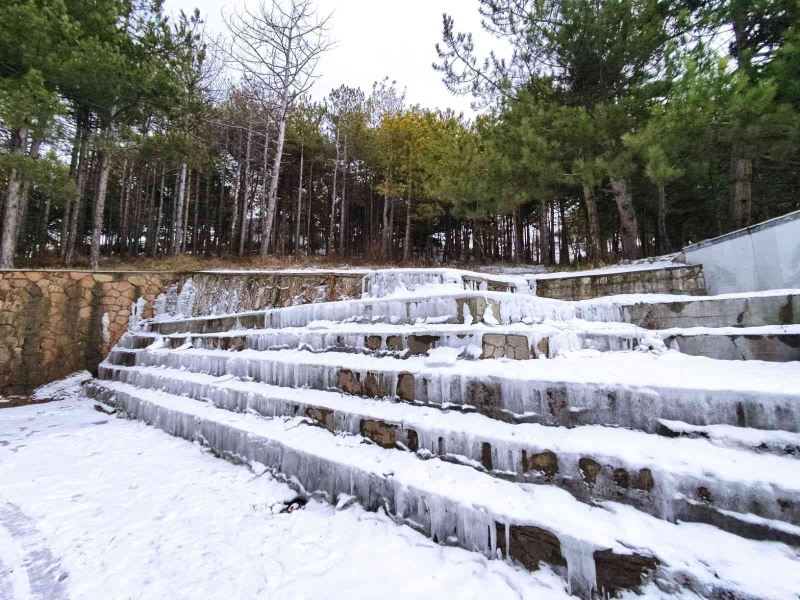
column 604, row 129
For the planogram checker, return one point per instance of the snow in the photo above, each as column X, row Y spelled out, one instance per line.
column 449, row 500
column 110, row 508
column 663, row 262
column 736, row 478
column 647, row 386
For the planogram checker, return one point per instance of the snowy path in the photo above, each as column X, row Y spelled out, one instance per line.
column 93, row 506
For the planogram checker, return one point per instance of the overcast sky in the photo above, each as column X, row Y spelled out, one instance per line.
column 375, row 39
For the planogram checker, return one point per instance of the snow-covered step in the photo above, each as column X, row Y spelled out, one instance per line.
column 685, row 479
column 392, row 282
column 448, row 306
column 629, row 389
column 662, row 311
column 599, row 550
column 779, row 343
column 756, row 440
column 517, row 341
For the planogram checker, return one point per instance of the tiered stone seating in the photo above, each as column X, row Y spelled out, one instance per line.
column 531, row 429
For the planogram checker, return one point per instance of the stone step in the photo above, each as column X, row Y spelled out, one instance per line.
column 683, row 479
column 385, row 282
column 441, row 307
column 599, row 550
column 517, row 341
column 628, row 389
column 778, row 343
column 774, row 343
column 662, row 311
column 755, row 440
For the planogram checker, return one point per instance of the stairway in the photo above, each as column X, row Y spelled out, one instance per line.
column 524, row 428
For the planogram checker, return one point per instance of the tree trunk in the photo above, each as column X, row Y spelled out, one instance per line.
column 407, row 237
column 742, row 172
column 299, row 204
column 629, row 227
column 267, row 219
column 124, row 185
column 386, row 234
column 8, row 243
column 664, row 244
column 104, row 164
column 544, row 234
column 177, row 212
column 245, row 189
column 595, row 249
column 563, row 246
column 309, row 240
column 331, row 232
column 343, row 215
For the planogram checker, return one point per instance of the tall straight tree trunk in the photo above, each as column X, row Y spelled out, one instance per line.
column 195, row 232
column 386, row 233
column 245, row 188
column 177, row 211
column 104, row 164
column 124, row 185
column 266, row 222
column 309, row 240
column 159, row 213
column 331, row 232
column 185, row 216
column 299, row 204
column 343, row 216
column 563, row 246
column 544, row 234
column 84, row 166
column 407, row 236
column 8, row 243
column 664, row 244
column 595, row 249
column 629, row 228
column 742, row 174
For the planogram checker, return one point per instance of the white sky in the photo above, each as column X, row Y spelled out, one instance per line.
column 375, row 39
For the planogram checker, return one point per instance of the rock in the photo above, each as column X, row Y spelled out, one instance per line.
column 322, row 416
column 348, row 382
column 620, row 572
column 529, row 545
column 405, row 387
column 380, row 432
column 590, row 469
column 545, row 462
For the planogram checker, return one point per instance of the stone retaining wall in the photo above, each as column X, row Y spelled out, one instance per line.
column 682, row 279
column 55, row 322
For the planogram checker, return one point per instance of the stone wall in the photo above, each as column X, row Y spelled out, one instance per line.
column 681, row 279
column 55, row 322
column 229, row 292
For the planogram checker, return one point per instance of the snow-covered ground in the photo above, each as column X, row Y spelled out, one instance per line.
column 94, row 506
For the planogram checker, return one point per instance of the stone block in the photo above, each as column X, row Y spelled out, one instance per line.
column 373, row 342
column 619, row 572
column 590, row 469
column 322, row 417
column 405, row 387
column 517, row 347
column 420, row 344
column 545, row 463
column 349, row 383
column 493, row 345
column 529, row 545
column 380, row 432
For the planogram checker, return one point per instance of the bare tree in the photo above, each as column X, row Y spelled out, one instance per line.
column 277, row 45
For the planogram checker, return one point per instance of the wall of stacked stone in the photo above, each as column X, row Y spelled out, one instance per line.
column 53, row 323
column 681, row 279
